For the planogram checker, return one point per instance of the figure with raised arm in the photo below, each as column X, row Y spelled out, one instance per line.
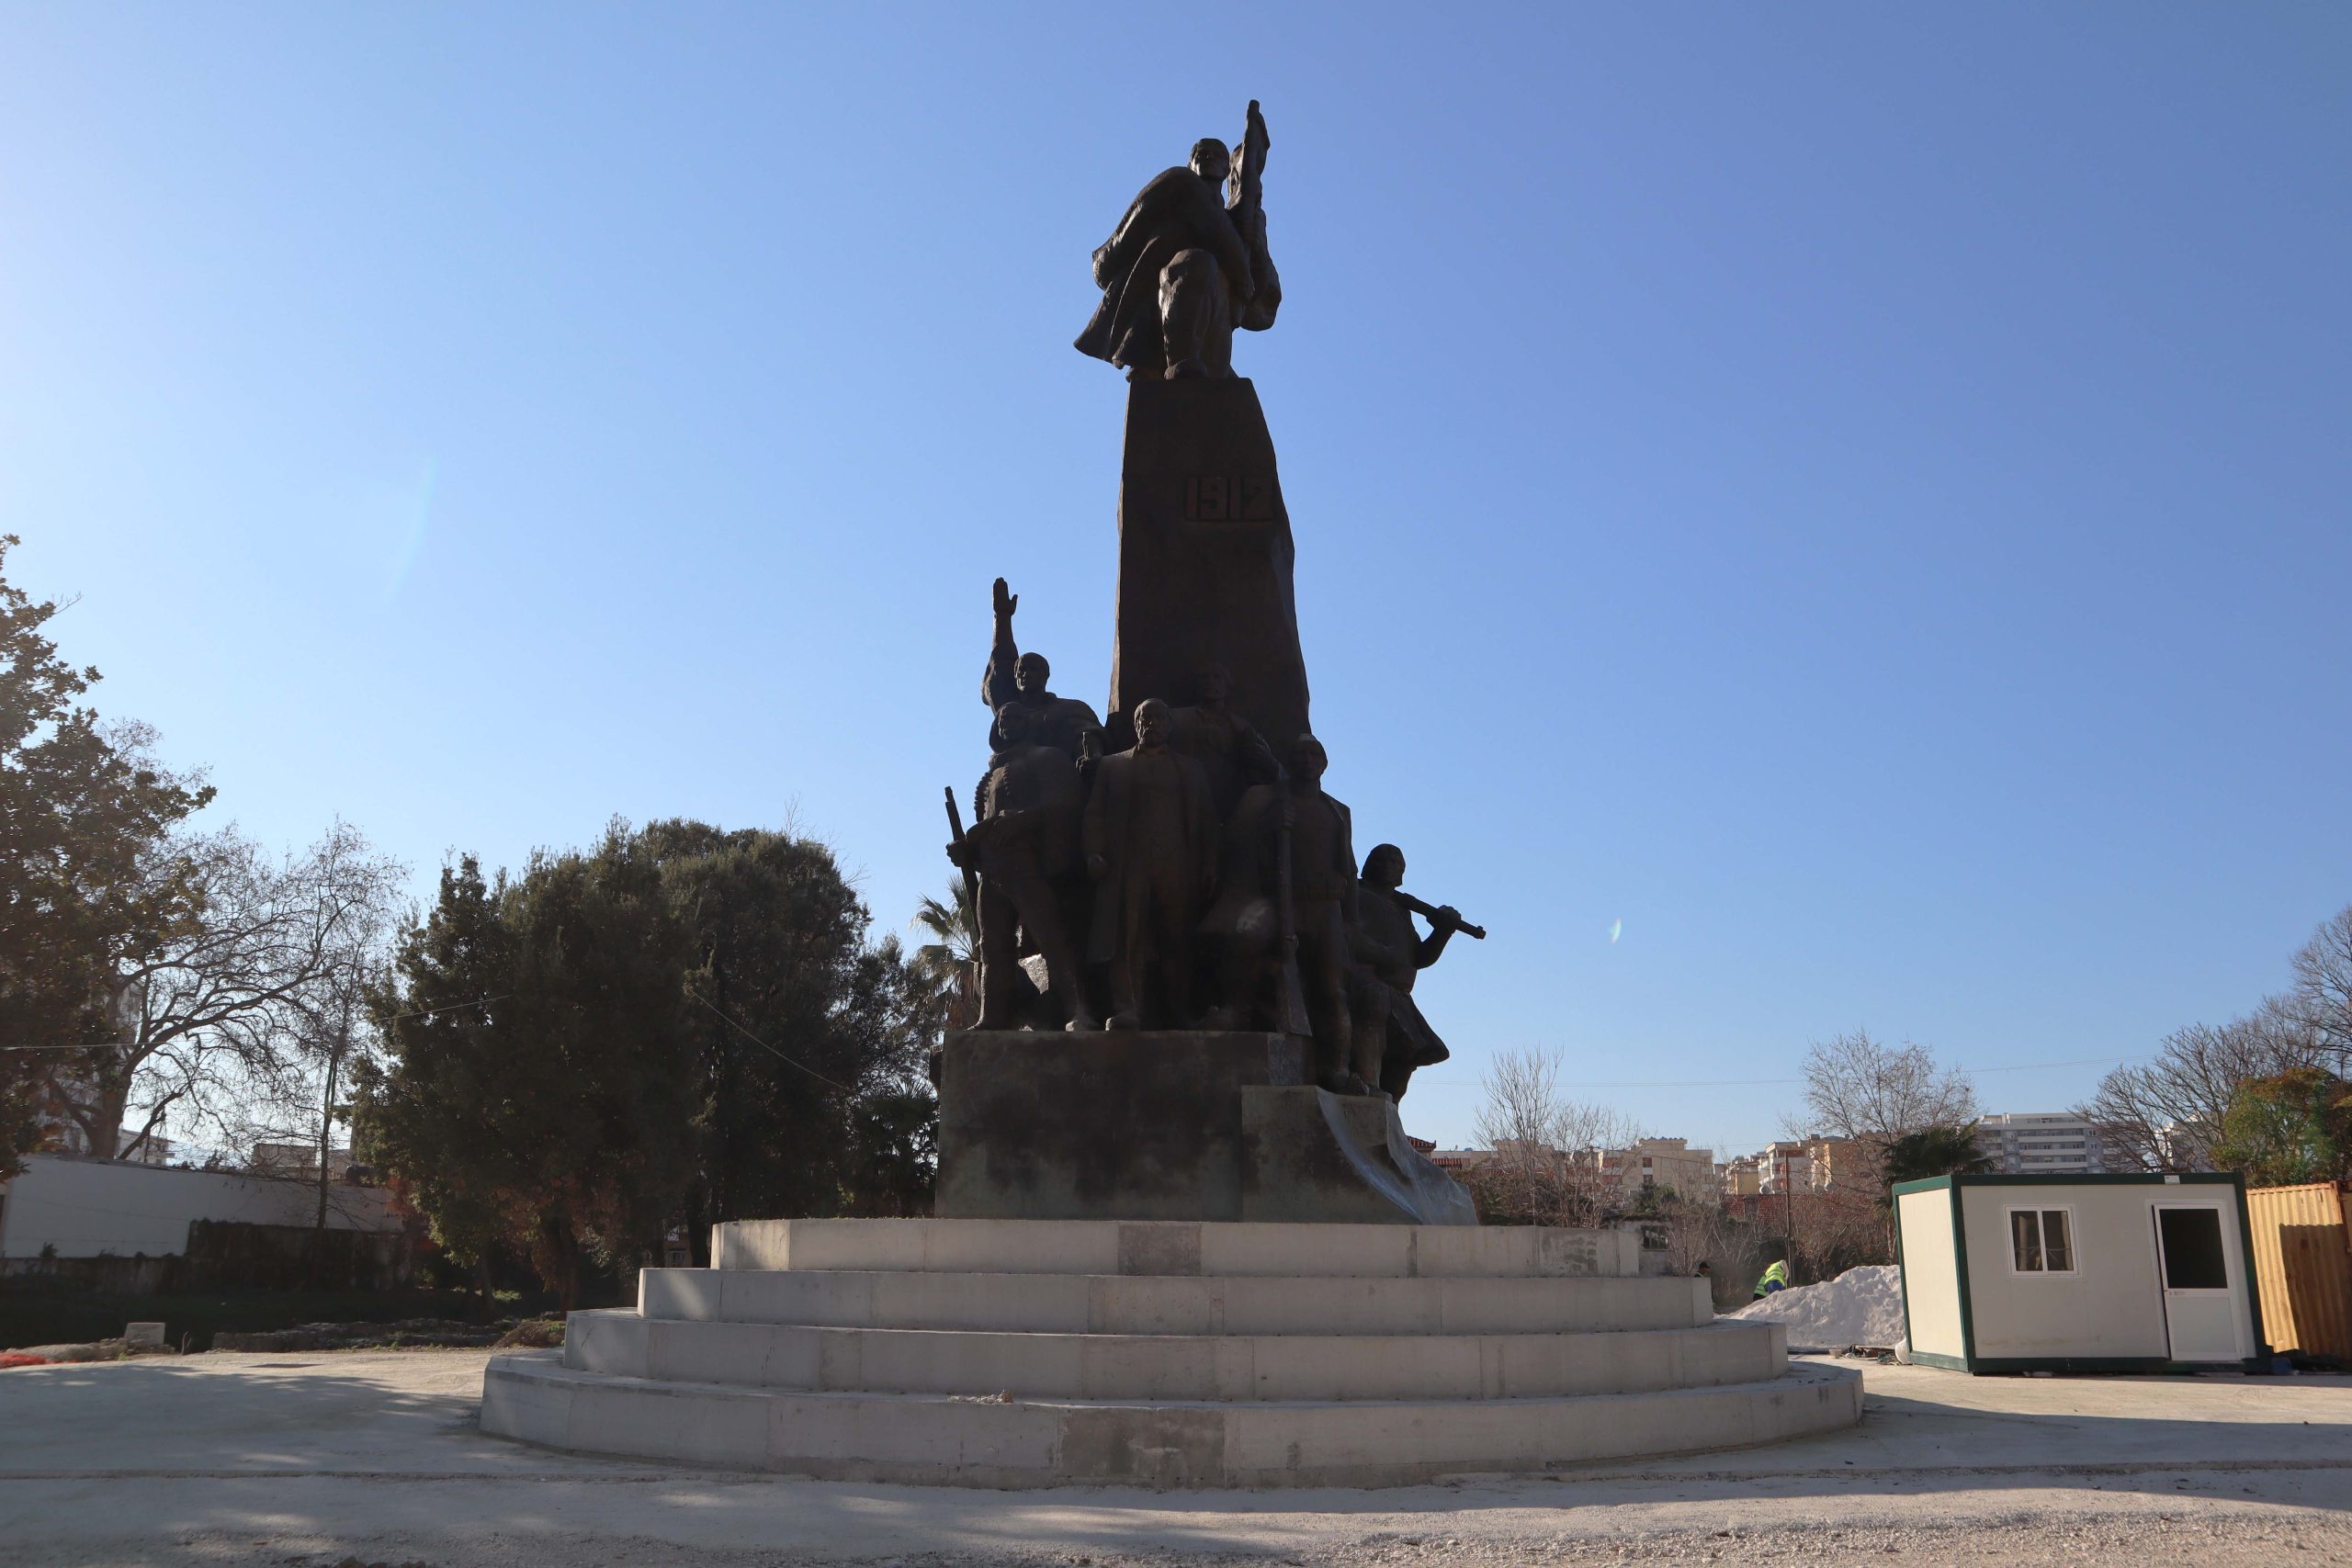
column 1024, row 842
column 1018, row 679
column 1187, row 266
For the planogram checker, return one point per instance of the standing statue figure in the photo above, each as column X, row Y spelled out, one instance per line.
column 1392, row 1038
column 1246, row 926
column 1186, row 267
column 1152, row 849
column 1014, row 679
column 1227, row 747
column 1023, row 844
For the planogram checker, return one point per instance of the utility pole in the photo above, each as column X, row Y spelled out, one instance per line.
column 326, row 1140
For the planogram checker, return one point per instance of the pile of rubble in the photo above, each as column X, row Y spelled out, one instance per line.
column 436, row 1333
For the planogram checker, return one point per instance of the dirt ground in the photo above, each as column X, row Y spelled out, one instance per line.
column 363, row 1458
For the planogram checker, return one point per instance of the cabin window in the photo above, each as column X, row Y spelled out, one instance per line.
column 2041, row 1241
column 2192, row 1242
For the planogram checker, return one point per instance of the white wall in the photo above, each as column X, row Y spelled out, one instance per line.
column 2113, row 1302
column 1930, row 1272
column 84, row 1207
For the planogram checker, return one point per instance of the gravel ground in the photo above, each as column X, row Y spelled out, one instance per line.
column 354, row 1460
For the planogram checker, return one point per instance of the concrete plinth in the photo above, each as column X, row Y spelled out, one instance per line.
column 1136, row 1125
column 1175, row 1125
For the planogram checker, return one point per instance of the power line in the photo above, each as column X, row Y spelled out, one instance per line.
column 768, row 1048
column 426, row 1013
column 451, row 1007
column 483, row 1002
column 1764, row 1083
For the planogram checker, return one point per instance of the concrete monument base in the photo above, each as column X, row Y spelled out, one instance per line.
column 1174, row 1125
column 1040, row 1353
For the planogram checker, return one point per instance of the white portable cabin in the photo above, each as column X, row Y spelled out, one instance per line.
column 2078, row 1273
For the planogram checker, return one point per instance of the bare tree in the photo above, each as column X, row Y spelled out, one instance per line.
column 1546, row 1165
column 1871, row 1093
column 210, row 1021
column 2321, row 1000
column 329, row 1028
column 2164, row 1115
column 1698, row 1231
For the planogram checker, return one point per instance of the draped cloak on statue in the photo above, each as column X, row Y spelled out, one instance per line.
column 1177, row 211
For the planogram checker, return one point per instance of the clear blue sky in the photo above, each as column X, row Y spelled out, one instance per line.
column 1857, row 493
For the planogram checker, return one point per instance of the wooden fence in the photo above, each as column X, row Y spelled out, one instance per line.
column 2303, row 1258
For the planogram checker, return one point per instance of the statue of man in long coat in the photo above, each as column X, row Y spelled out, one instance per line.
column 1150, row 837
column 1187, row 266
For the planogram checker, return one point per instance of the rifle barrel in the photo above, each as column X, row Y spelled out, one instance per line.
column 956, row 831
column 1429, row 911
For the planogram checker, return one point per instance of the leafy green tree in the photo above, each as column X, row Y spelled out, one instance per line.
column 807, row 1047
column 2290, row 1128
column 451, row 1119
column 84, row 813
column 683, row 1027
column 1935, row 1150
column 534, row 1096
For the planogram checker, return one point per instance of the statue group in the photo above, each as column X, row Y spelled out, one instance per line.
column 1179, row 869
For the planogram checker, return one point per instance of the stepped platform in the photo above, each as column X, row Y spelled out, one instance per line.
column 1011, row 1353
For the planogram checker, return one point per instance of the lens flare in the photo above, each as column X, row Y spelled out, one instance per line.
column 410, row 510
column 1616, row 930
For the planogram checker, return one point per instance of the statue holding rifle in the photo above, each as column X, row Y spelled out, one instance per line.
column 1391, row 1039
column 1187, row 266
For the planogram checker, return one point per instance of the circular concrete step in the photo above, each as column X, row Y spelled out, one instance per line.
column 1171, row 1367
column 1113, row 1303
column 1032, row 1353
column 937, row 1440
column 1214, row 1249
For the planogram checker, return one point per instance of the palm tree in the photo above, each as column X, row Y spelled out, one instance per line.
column 1935, row 1150
column 949, row 968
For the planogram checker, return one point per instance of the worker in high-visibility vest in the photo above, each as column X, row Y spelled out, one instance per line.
column 1776, row 1278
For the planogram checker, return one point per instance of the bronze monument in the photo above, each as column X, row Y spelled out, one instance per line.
column 1164, row 872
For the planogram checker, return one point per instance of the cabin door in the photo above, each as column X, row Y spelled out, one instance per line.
column 2200, row 1310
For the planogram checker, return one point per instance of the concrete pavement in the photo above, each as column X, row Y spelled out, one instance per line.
column 228, row 1459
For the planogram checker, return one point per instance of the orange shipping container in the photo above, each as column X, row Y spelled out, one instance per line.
column 2303, row 1258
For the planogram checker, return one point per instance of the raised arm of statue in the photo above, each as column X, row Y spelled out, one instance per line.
column 1250, row 166
column 1246, row 206
column 997, row 686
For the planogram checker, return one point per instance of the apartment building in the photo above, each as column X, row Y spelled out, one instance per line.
column 2043, row 1142
column 1662, row 1165
column 1786, row 1165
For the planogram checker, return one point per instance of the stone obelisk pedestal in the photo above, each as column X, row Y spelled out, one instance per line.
column 1205, row 558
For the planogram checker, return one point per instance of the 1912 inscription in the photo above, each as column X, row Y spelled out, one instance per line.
column 1229, row 499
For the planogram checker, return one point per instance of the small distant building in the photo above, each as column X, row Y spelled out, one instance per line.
column 2044, row 1144
column 2078, row 1272
column 57, row 1131
column 298, row 1159
column 1787, row 1166
column 1661, row 1165
column 2185, row 1146
column 1844, row 1163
